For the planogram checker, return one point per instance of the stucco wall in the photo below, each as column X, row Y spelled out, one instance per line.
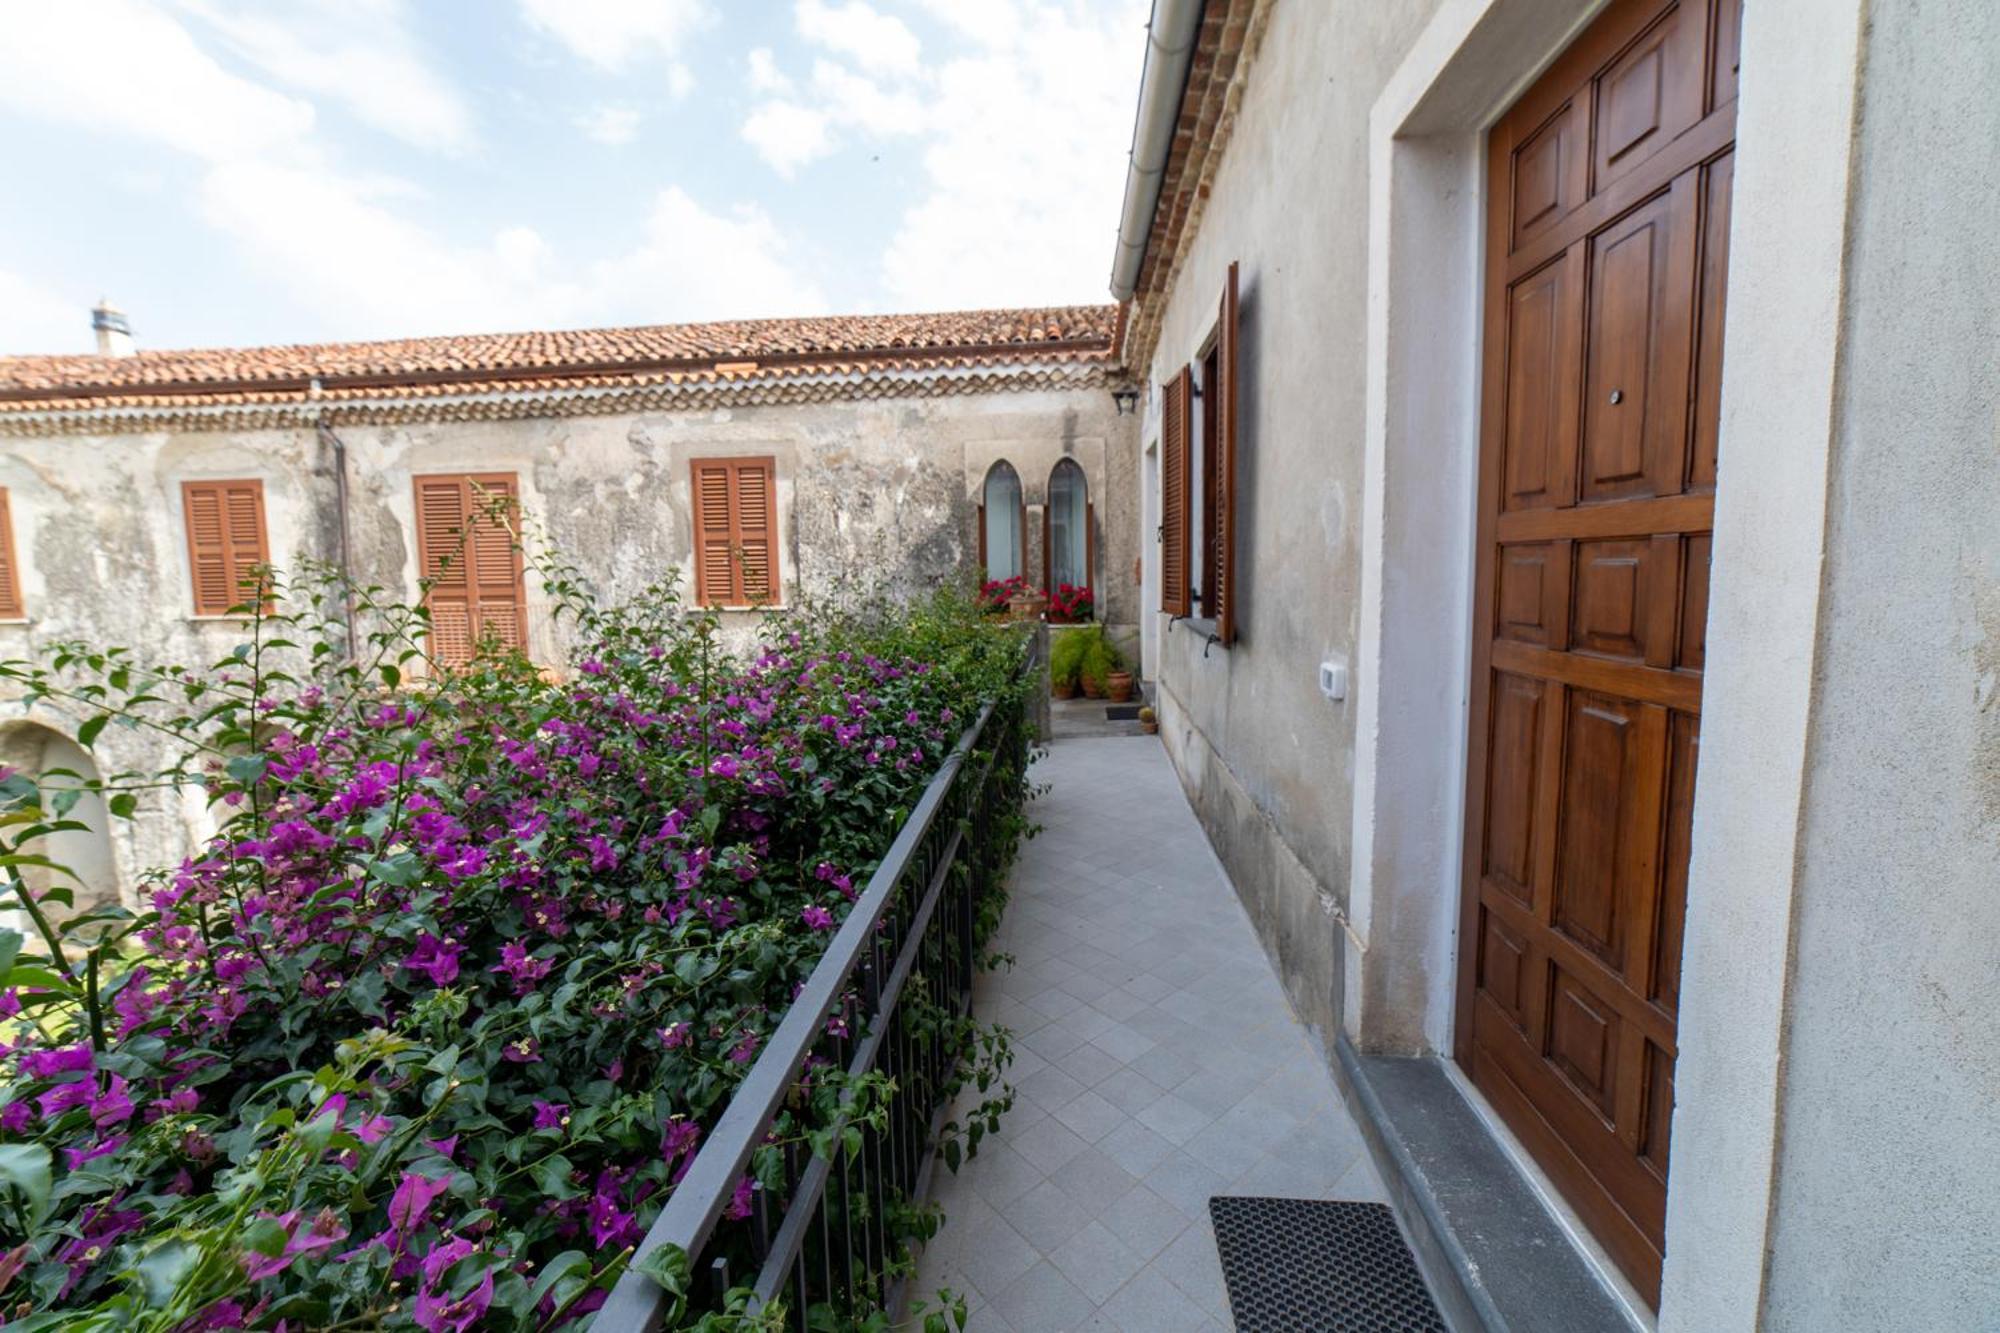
column 1267, row 761
column 874, row 496
column 1887, row 1200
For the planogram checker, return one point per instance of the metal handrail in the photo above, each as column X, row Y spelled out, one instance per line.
column 637, row 1303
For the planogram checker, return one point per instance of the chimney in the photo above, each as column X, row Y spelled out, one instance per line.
column 114, row 333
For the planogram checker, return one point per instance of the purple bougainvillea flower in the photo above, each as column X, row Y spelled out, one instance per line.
column 323, row 1232
column 98, row 1230
column 611, row 1226
column 435, row 958
column 680, row 1136
column 372, row 1129
column 444, row 1147
column 550, row 1115
column 525, row 1051
column 739, row 1202
column 742, row 1052
column 439, row 1312
column 817, row 917
column 673, row 1035
column 723, row 766
column 524, row 970
column 113, row 1106
column 56, row 1061
column 15, row 1117
column 76, row 1157
column 412, row 1201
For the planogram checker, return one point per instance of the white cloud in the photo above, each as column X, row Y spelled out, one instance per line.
column 1025, row 162
column 613, row 34
column 880, row 43
column 853, row 100
column 694, row 264
column 765, row 76
column 789, row 131
column 610, row 124
column 36, row 318
column 787, row 135
column 357, row 52
column 339, row 246
column 125, row 67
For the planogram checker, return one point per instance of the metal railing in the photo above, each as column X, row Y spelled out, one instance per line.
column 825, row 1233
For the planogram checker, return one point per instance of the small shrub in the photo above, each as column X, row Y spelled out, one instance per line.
column 1066, row 657
column 1100, row 657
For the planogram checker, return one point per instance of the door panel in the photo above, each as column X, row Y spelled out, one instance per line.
column 1607, row 267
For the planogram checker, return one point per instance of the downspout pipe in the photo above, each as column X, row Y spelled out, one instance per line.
column 341, row 557
column 1170, row 42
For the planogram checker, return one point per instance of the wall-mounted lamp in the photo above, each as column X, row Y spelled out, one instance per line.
column 1127, row 400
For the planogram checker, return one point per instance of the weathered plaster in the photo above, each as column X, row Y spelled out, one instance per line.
column 1267, row 761
column 876, row 496
column 1886, row 1208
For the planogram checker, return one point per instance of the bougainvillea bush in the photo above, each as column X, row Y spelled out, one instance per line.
column 428, row 1031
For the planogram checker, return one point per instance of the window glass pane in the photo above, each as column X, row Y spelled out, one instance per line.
column 1069, row 537
column 1003, row 522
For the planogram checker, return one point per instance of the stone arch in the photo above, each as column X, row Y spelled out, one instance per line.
column 55, row 762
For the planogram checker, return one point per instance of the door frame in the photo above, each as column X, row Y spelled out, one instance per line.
column 1427, row 217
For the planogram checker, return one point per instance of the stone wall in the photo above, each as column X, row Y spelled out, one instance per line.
column 1267, row 761
column 877, row 496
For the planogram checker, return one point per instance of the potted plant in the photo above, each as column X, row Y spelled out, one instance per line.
column 1027, row 604
column 1069, row 605
column 995, row 594
column 1149, row 721
column 1066, row 665
column 1119, row 684
column 1100, row 662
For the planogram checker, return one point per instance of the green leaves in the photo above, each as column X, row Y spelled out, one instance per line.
column 24, row 1169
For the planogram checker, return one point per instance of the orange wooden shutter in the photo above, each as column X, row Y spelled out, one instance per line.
column 226, row 542
column 757, row 530
column 735, row 508
column 1224, row 489
column 11, row 607
column 471, row 560
column 1178, row 394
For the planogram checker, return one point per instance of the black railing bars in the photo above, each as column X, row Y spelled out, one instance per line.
column 826, row 1234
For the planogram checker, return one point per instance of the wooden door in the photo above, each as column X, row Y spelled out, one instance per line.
column 1607, row 247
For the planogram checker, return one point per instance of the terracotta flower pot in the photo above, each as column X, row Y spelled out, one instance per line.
column 1062, row 689
column 1091, row 689
column 1027, row 606
column 1118, row 686
column 1150, row 728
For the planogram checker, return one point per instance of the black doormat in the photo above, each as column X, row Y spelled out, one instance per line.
column 1122, row 712
column 1314, row 1266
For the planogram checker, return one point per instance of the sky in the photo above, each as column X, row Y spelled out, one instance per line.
column 236, row 172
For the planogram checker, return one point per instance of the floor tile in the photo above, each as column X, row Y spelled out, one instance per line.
column 1156, row 1065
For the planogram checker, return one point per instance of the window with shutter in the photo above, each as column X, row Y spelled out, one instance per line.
column 469, row 557
column 1177, row 394
column 11, row 606
column 1221, row 588
column 735, row 503
column 226, row 542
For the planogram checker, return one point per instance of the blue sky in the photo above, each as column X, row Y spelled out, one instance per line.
column 259, row 171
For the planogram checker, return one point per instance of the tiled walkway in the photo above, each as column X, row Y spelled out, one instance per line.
column 1157, row 1064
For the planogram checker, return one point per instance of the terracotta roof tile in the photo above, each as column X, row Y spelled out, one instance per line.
column 730, row 349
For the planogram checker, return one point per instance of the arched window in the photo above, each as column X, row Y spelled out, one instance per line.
column 1066, row 535
column 55, row 762
column 1002, row 519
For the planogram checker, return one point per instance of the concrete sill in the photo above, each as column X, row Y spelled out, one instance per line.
column 1494, row 1256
